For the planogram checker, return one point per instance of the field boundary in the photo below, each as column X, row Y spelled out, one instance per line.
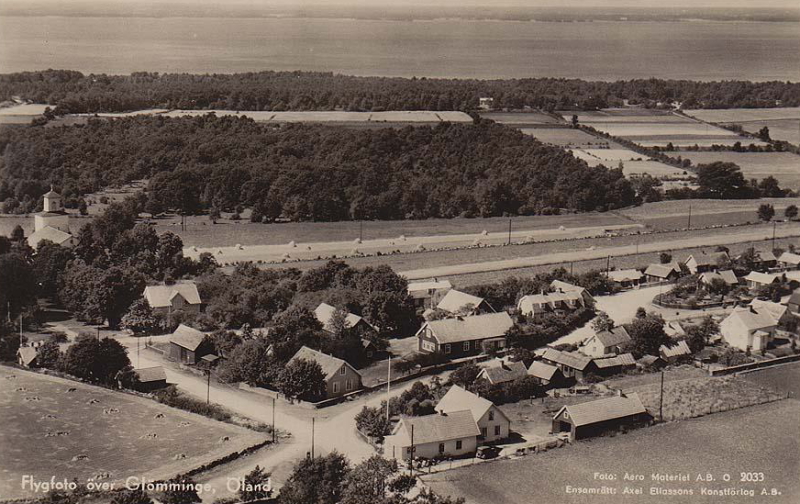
column 754, row 366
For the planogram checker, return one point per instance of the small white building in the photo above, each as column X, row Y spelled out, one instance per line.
column 756, row 279
column 789, row 261
column 748, row 328
column 492, row 422
column 428, row 294
column 604, row 343
column 439, row 435
column 626, row 279
column 561, row 286
column 52, row 223
column 181, row 296
column 700, row 263
column 461, row 303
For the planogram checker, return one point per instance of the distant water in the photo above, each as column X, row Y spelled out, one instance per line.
column 448, row 48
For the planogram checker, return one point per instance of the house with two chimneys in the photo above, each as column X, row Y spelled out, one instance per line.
column 464, row 336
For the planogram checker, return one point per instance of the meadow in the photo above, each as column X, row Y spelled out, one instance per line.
column 86, row 432
column 568, row 137
column 787, row 130
column 742, row 114
column 637, row 116
column 784, row 378
column 518, row 119
column 732, row 442
column 784, row 166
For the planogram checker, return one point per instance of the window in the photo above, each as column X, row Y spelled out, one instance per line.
column 335, row 387
column 491, row 415
column 466, row 346
column 343, row 371
column 483, row 431
column 348, row 384
column 458, row 445
column 447, row 348
column 496, row 430
column 441, row 447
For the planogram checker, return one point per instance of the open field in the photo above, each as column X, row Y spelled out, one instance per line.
column 682, row 141
column 568, row 137
column 519, row 119
column 787, row 130
column 761, row 438
column 784, row 378
column 636, row 130
column 638, row 116
column 633, row 162
column 85, row 432
column 784, row 166
column 739, row 115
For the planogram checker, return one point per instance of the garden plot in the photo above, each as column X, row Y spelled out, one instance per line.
column 641, row 116
column 84, row 432
column 783, row 166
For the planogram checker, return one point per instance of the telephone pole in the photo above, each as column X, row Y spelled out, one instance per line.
column 689, row 225
column 274, row 436
column 661, row 400
column 208, row 386
column 509, row 230
column 774, row 225
column 388, row 386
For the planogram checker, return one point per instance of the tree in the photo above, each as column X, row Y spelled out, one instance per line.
column 49, row 264
column 17, row 234
column 249, row 362
column 721, row 180
column 665, row 258
column 602, row 322
column 368, row 482
column 181, row 490
column 790, row 212
column 136, row 496
column 317, row 480
column 465, row 375
column 698, row 335
column 95, row 361
column 647, row 335
column 214, row 214
column 372, row 422
column 83, row 208
column 763, row 134
column 256, row 485
column 302, row 379
column 140, row 319
column 48, row 355
column 17, row 285
column 766, row 212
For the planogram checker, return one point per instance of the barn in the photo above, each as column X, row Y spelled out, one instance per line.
column 594, row 418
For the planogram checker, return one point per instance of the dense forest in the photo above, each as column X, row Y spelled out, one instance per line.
column 73, row 92
column 303, row 172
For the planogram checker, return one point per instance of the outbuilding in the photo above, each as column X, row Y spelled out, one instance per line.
column 597, row 417
column 151, row 378
column 187, row 345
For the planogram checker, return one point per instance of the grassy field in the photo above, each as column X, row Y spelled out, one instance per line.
column 787, row 130
column 518, row 119
column 568, row 137
column 748, row 439
column 740, row 115
column 784, row 378
column 692, row 141
column 662, row 129
column 784, row 166
column 80, row 431
column 633, row 162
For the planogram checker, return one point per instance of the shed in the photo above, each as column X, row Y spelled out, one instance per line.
column 675, row 352
column 151, row 378
column 187, row 345
column 596, row 417
column 546, row 375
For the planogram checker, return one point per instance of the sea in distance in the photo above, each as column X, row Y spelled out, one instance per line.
column 600, row 50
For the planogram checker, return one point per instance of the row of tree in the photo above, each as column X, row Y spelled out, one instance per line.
column 72, row 92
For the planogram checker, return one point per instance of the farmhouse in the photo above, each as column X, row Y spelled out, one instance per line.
column 187, row 345
column 561, row 286
column 340, row 377
column 536, row 304
column 572, row 364
column 461, row 303
column 756, row 279
column 625, row 279
column 789, row 261
column 428, row 294
column 440, row 435
column 546, row 375
column 675, row 352
column 613, row 365
column 700, row 263
column 748, row 328
column 26, row 356
column 492, row 422
column 596, row 417
column 727, row 276
column 605, row 342
column 662, row 272
column 149, row 379
column 169, row 298
column 325, row 314
column 52, row 223
column 503, row 373
column 463, row 336
column 779, row 312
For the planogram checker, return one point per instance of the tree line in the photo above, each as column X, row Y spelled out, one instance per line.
column 304, row 172
column 73, row 92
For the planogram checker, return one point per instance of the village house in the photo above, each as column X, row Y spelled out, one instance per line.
column 747, row 328
column 779, row 312
column 461, row 303
column 662, row 272
column 604, row 343
column 701, row 263
column 789, row 261
column 325, row 312
column 763, row 260
column 52, row 223
column 675, row 352
column 794, row 303
column 727, row 276
column 546, row 375
column 150, row 379
column 452, row 434
column 572, row 364
column 561, row 286
column 428, row 294
column 755, row 279
column 608, row 366
column 26, row 356
column 603, row 415
column 187, row 345
column 503, row 372
column 493, row 424
column 180, row 296
column 625, row 279
column 535, row 305
column 464, row 336
column 651, row 362
column 340, row 377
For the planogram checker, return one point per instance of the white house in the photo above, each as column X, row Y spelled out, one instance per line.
column 452, row 434
column 605, row 342
column 756, row 279
column 492, row 422
column 780, row 312
column 748, row 328
column 727, row 276
column 533, row 305
column 561, row 286
column 461, row 303
column 789, row 261
column 428, row 294
column 700, row 263
column 626, row 279
column 178, row 296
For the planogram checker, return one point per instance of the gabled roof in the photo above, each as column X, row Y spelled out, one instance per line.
column 727, row 276
column 789, row 258
column 624, row 275
column 454, row 330
column 766, row 256
column 573, row 360
column 455, row 300
column 27, row 354
column 542, row 371
column 762, row 278
column 649, row 360
column 437, row 428
column 187, row 337
column 424, row 287
column 459, row 399
column 330, row 365
column 795, row 298
column 161, row 296
column 621, row 360
column 776, row 310
column 324, row 313
column 557, row 285
column 151, row 374
column 662, row 270
column 674, row 328
column 604, row 409
column 508, row 371
column 613, row 337
column 711, row 259
column 48, row 233
column 677, row 350
column 752, row 319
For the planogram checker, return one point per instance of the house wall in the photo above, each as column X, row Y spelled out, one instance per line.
column 336, row 386
column 488, row 426
column 593, row 348
column 60, row 222
column 399, row 448
column 738, row 336
column 182, row 355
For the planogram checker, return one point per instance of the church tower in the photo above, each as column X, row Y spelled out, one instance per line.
column 53, row 214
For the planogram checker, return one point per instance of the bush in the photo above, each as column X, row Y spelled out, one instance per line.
column 172, row 397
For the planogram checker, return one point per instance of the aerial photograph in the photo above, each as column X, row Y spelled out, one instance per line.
column 399, row 252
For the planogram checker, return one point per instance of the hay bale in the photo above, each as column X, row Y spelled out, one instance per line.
column 293, row 244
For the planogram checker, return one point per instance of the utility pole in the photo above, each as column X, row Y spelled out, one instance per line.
column 411, row 459
column 509, row 230
column 312, row 436
column 98, row 333
column 689, row 225
column 608, row 265
column 774, row 225
column 388, row 386
column 661, row 400
column 570, row 267
column 20, row 329
column 360, row 230
column 274, row 437
column 208, row 386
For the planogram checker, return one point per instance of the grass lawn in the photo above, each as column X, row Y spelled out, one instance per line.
column 748, row 439
column 784, row 166
column 535, row 417
column 81, row 431
column 784, row 378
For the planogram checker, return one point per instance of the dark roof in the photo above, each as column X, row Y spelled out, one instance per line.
column 151, row 374
column 677, row 350
column 621, row 360
column 604, row 409
column 708, row 259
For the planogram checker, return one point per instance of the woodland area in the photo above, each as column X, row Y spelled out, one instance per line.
column 72, row 92
column 305, row 172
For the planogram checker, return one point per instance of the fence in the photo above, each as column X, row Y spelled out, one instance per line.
column 754, row 365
